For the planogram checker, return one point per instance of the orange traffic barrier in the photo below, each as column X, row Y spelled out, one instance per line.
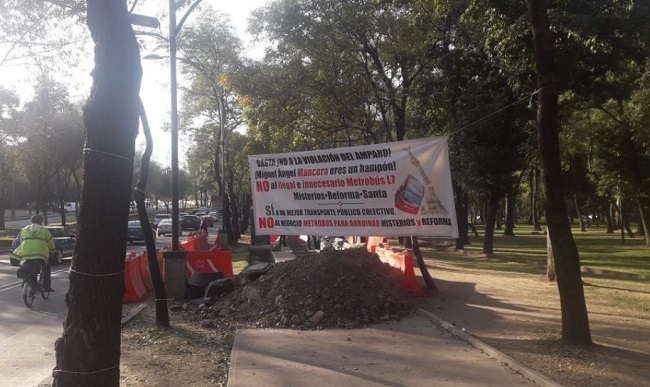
column 211, row 261
column 403, row 261
column 161, row 266
column 134, row 289
column 196, row 241
column 145, row 273
column 372, row 243
column 409, row 281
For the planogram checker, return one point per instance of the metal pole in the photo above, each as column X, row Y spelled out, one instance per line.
column 174, row 124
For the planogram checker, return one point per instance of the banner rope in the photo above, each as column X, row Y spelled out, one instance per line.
column 528, row 97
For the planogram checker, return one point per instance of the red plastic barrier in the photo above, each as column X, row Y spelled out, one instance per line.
column 209, row 262
column 161, row 263
column 400, row 260
column 201, row 241
column 409, row 281
column 373, row 242
column 196, row 241
column 134, row 289
column 143, row 261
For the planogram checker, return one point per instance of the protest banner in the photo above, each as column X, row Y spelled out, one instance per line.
column 391, row 189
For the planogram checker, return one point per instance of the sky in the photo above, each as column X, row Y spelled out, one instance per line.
column 155, row 82
column 155, row 89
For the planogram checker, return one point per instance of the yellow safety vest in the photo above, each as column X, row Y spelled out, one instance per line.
column 35, row 243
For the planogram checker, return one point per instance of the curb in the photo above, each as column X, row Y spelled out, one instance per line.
column 133, row 312
column 511, row 363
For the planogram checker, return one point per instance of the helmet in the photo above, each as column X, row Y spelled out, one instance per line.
column 37, row 219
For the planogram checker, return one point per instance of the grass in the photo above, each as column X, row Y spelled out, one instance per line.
column 600, row 253
column 240, row 254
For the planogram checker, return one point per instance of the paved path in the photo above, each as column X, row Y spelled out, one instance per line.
column 411, row 352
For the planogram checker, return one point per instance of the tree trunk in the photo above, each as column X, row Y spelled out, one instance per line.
column 510, row 214
column 431, row 286
column 625, row 220
column 490, row 220
column 550, row 259
column 575, row 320
column 162, row 308
column 461, row 215
column 531, row 196
column 610, row 220
column 579, row 214
column 88, row 352
column 536, row 225
column 643, row 222
column 2, row 208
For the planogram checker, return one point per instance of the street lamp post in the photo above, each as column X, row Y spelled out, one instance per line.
column 176, row 258
column 173, row 33
column 174, row 123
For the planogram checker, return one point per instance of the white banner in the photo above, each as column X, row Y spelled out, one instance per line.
column 391, row 189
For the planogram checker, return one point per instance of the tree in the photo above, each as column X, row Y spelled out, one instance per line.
column 88, row 352
column 50, row 141
column 212, row 52
column 356, row 64
column 575, row 321
column 8, row 139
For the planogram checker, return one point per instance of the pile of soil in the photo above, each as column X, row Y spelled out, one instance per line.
column 333, row 289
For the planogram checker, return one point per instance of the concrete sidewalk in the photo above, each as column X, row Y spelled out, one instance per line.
column 410, row 352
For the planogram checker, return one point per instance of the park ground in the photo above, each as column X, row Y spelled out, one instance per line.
column 503, row 299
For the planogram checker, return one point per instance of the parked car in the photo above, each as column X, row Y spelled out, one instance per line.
column 135, row 232
column 63, row 240
column 190, row 222
column 158, row 218
column 165, row 227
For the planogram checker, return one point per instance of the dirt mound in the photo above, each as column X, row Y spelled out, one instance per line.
column 333, row 289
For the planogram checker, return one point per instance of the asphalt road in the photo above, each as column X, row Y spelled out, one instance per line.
column 27, row 336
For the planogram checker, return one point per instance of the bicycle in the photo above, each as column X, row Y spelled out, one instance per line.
column 32, row 276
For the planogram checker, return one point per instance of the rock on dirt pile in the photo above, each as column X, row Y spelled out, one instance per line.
column 333, row 289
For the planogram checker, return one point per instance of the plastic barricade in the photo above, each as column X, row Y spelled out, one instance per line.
column 373, row 242
column 201, row 241
column 134, row 288
column 161, row 264
column 409, row 281
column 211, row 261
column 145, row 273
column 187, row 245
column 402, row 260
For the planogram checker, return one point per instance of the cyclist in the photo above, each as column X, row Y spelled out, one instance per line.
column 36, row 243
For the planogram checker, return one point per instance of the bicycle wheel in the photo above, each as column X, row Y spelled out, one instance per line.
column 29, row 293
column 45, row 294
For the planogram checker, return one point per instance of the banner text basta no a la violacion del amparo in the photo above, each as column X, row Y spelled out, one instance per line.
column 392, row 189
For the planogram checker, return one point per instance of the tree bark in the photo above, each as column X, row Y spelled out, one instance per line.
column 490, row 221
column 431, row 286
column 510, row 214
column 643, row 222
column 610, row 220
column 581, row 219
column 461, row 213
column 536, row 225
column 88, row 352
column 162, row 308
column 575, row 321
column 550, row 259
